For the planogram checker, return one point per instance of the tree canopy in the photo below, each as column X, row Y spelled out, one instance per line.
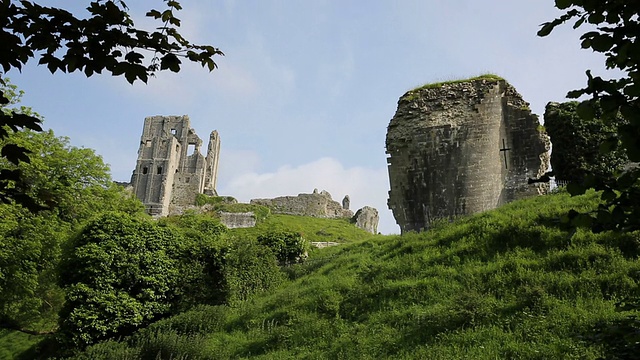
column 576, row 144
column 106, row 40
column 614, row 31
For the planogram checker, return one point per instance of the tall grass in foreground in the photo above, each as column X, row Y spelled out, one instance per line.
column 514, row 283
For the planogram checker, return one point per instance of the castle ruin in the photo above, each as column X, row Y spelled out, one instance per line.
column 317, row 204
column 170, row 170
column 462, row 147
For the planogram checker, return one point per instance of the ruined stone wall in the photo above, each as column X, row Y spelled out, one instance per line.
column 238, row 220
column 316, row 205
column 461, row 148
column 213, row 156
column 170, row 170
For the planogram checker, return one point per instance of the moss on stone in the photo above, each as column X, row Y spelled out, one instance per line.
column 411, row 93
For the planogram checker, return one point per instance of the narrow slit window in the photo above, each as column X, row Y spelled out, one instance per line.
column 159, row 170
column 145, row 170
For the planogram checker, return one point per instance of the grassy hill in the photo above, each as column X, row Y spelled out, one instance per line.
column 514, row 283
column 339, row 230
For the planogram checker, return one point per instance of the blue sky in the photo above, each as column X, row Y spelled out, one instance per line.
column 306, row 90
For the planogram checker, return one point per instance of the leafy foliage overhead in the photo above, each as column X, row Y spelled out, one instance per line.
column 107, row 40
column 576, row 144
column 617, row 27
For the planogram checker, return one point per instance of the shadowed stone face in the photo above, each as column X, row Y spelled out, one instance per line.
column 462, row 148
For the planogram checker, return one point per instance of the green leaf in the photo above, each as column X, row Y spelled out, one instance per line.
column 632, row 90
column 166, row 15
column 574, row 94
column 174, row 4
column 602, row 43
column 608, row 195
column 563, row 4
column 586, row 110
column 579, row 22
column 211, row 64
column 134, row 57
column 582, row 220
column 608, row 146
column 546, row 29
column 130, row 76
column 627, row 180
column 575, row 189
column 596, row 18
column 15, row 153
column 171, row 62
column 154, row 14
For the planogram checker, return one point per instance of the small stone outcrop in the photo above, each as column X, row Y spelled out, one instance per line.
column 462, row 147
column 316, row 205
column 346, row 202
column 367, row 219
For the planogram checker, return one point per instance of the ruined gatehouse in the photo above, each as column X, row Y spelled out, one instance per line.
column 462, row 147
column 170, row 170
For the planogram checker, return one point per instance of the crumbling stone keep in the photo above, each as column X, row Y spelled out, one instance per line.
column 462, row 147
column 170, row 170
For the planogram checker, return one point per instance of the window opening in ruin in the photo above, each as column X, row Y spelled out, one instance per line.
column 148, row 143
column 159, row 170
column 145, row 170
column 192, row 149
column 173, row 131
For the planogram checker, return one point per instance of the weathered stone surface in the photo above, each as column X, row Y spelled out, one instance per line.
column 168, row 176
column 367, row 219
column 346, row 202
column 238, row 220
column 324, row 244
column 316, row 204
column 462, row 148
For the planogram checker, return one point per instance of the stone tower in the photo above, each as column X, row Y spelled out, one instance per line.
column 460, row 148
column 170, row 170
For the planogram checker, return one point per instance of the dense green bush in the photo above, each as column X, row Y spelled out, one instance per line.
column 249, row 268
column 289, row 247
column 73, row 185
column 576, row 144
column 204, row 245
column 120, row 273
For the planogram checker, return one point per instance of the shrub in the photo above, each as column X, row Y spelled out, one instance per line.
column 289, row 247
column 121, row 273
column 202, row 199
column 249, row 268
column 577, row 141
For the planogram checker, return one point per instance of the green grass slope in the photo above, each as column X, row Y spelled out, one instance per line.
column 513, row 283
column 313, row 229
